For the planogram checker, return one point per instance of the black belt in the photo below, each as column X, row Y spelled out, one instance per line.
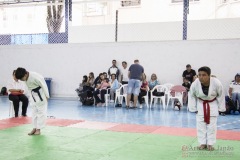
column 36, row 90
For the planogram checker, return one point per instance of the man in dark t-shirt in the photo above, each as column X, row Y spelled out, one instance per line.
column 189, row 73
column 135, row 72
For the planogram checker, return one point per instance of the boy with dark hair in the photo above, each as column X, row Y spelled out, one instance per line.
column 38, row 97
column 206, row 99
column 189, row 73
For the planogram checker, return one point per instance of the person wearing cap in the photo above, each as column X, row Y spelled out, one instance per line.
column 189, row 73
column 206, row 99
column 234, row 90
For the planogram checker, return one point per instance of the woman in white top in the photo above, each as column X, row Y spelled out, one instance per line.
column 234, row 90
column 16, row 91
column 114, row 85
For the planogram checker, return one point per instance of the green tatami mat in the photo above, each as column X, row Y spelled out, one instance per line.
column 65, row 143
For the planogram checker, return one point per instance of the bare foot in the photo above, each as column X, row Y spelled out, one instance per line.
column 202, row 146
column 210, row 147
column 32, row 132
column 37, row 132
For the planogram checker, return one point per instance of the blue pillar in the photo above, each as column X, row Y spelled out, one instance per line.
column 70, row 10
column 185, row 13
column 116, row 27
column 5, row 39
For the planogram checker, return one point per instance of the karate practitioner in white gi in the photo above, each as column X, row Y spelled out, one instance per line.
column 206, row 99
column 38, row 97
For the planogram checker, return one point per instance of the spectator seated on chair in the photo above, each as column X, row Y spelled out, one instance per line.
column 143, row 90
column 90, row 81
column 234, row 91
column 102, row 90
column 114, row 85
column 152, row 83
column 187, row 85
column 16, row 90
column 82, row 86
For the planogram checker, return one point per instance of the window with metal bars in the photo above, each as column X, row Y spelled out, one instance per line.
column 178, row 1
column 131, row 3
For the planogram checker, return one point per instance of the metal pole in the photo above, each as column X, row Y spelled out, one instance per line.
column 70, row 10
column 185, row 13
column 116, row 27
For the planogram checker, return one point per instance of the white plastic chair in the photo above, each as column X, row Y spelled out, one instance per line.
column 169, row 86
column 176, row 94
column 159, row 88
column 120, row 94
column 107, row 95
column 146, row 97
column 11, row 109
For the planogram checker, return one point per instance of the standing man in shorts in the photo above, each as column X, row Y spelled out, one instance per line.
column 135, row 73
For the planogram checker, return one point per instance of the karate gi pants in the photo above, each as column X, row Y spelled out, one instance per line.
column 39, row 116
column 206, row 133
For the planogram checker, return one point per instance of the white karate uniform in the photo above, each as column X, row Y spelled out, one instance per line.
column 39, row 104
column 207, row 132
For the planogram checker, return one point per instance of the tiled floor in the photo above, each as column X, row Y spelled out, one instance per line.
column 70, row 108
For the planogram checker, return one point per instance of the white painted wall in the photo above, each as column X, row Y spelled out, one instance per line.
column 158, row 31
column 67, row 63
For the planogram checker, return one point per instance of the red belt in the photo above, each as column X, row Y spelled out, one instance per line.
column 206, row 109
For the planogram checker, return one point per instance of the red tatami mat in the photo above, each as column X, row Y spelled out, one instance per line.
column 176, row 131
column 13, row 122
column 133, row 128
column 94, row 125
column 228, row 135
column 18, row 120
column 62, row 122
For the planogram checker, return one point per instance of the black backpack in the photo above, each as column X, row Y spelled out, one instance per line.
column 89, row 101
column 87, row 98
column 4, row 91
column 230, row 106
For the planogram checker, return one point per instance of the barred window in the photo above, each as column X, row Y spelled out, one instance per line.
column 131, row 3
column 177, row 1
column 228, row 1
column 96, row 9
